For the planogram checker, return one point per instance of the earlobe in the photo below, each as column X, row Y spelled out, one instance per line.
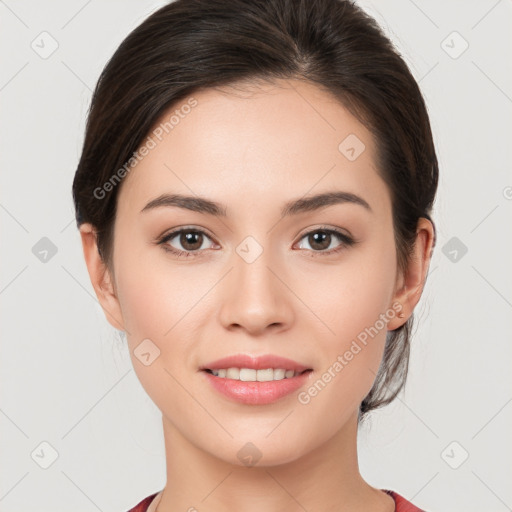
column 101, row 278
column 413, row 281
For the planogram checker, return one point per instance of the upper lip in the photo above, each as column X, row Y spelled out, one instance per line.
column 255, row 362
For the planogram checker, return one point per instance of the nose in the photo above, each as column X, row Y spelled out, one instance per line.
column 254, row 299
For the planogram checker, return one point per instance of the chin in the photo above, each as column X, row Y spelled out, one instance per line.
column 260, row 451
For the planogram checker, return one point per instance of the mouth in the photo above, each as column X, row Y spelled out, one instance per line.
column 256, row 380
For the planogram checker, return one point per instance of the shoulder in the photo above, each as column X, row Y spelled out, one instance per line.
column 144, row 504
column 401, row 504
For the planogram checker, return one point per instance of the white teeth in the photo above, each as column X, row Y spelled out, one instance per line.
column 279, row 373
column 233, row 373
column 248, row 374
column 251, row 375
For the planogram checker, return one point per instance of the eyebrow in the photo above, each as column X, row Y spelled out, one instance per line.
column 306, row 204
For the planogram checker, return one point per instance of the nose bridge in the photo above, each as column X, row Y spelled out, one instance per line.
column 254, row 298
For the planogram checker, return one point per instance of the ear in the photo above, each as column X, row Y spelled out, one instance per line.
column 101, row 278
column 411, row 282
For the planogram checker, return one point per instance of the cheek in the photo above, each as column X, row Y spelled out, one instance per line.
column 156, row 295
column 169, row 304
column 157, row 304
column 351, row 295
column 353, row 301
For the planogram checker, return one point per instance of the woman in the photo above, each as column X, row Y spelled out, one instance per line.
column 254, row 200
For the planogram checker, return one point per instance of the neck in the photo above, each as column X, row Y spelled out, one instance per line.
column 325, row 478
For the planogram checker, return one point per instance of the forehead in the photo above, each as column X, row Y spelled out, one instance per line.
column 250, row 142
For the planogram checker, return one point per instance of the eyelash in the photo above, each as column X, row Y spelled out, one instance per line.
column 346, row 240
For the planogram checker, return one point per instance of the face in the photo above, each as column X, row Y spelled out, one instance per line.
column 316, row 283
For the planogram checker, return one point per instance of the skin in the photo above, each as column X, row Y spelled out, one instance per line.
column 252, row 151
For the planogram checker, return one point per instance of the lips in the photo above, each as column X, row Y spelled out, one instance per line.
column 256, row 363
column 252, row 392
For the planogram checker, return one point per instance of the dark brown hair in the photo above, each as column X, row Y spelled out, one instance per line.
column 189, row 45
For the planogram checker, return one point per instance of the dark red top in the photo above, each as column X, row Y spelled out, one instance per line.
column 401, row 504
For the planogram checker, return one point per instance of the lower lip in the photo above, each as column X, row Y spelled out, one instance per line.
column 257, row 393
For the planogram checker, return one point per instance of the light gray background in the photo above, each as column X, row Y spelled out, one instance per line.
column 66, row 378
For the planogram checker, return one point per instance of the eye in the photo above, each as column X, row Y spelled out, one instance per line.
column 190, row 240
column 321, row 241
